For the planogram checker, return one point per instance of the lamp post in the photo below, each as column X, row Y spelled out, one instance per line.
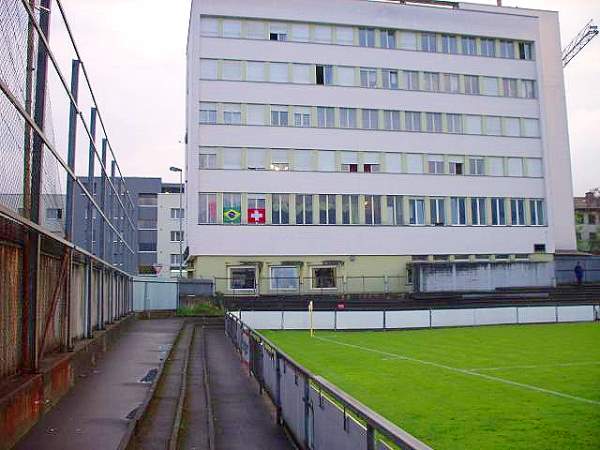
column 177, row 169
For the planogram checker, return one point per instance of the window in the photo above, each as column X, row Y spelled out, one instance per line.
column 510, row 87
column 411, row 80
column 371, row 162
column 280, row 211
column 493, row 126
column 437, row 211
column 450, row 83
column 525, row 50
column 208, row 69
column 304, row 209
column 476, row 166
column 456, row 167
column 349, row 162
column 322, row 33
column 302, row 116
column 255, row 115
column 208, row 161
column 279, row 116
column 478, row 211
column 232, row 158
column 436, row 164
column 207, row 210
column 327, row 209
column 370, row 119
column 350, row 209
column 539, row 248
column 412, row 121
column 534, row 168
column 530, row 128
column 176, row 236
column 232, row 114
column 469, row 45
column 458, row 208
column 496, row 166
column 414, row 163
column 255, row 29
column 434, row 122
column 517, row 211
column 473, row 124
column 344, row 35
column 391, row 120
column 232, row 208
column 449, row 43
column 284, row 278
column 327, row 161
column 490, row 85
column 209, row 26
column 528, row 89
column 323, row 278
column 278, row 32
column 366, row 37
column 390, row 79
column 175, row 259
column 368, row 77
column 301, row 73
column 536, row 209
column 143, row 200
column 515, row 167
column 177, row 213
column 147, row 246
column 324, row 74
column 507, row 49
column 242, row 278
column 54, row 213
column 394, row 210
column 256, row 209
column 428, row 42
column 498, row 215
column 488, row 47
column 512, row 126
column 325, row 117
column 300, row 32
column 408, row 40
column 387, row 38
column 279, row 160
column 232, row 70
column 393, row 162
column 471, row 84
column 431, row 81
column 256, row 158
column 302, row 160
column 279, row 72
column 347, row 118
column 255, row 71
column 454, row 123
column 232, row 28
column 345, row 76
column 416, row 208
column 208, row 112
column 373, row 209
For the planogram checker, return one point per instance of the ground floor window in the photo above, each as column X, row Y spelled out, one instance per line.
column 284, row 277
column 323, row 278
column 242, row 278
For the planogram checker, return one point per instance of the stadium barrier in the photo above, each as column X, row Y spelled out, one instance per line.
column 423, row 318
column 315, row 412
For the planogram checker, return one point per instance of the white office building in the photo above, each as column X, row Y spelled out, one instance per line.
column 170, row 241
column 351, row 145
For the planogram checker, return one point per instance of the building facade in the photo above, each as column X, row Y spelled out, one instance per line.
column 335, row 149
column 171, row 235
column 587, row 215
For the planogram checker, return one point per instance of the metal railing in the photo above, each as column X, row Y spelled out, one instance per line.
column 317, row 414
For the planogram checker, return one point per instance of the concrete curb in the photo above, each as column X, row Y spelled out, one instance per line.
column 182, row 393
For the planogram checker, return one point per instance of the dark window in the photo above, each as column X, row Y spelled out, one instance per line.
column 320, row 76
column 242, row 278
column 323, row 278
column 147, row 246
column 539, row 248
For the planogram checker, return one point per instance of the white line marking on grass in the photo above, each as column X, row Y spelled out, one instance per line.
column 536, row 366
column 465, row 372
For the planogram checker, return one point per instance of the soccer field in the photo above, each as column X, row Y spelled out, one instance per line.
column 495, row 387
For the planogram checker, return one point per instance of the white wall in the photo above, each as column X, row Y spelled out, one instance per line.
column 164, row 246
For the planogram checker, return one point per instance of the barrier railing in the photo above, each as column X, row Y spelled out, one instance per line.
column 316, row 413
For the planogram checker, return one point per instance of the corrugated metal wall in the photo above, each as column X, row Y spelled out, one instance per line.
column 10, row 308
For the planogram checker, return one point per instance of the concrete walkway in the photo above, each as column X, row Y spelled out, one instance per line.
column 93, row 415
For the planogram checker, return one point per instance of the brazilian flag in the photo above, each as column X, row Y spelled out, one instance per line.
column 232, row 215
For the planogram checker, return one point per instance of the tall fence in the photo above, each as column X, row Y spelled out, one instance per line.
column 317, row 414
column 54, row 288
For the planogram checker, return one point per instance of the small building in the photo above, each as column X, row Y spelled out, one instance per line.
column 587, row 218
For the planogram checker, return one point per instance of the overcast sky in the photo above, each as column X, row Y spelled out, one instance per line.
column 134, row 51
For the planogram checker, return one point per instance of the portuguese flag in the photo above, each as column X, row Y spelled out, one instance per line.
column 232, row 215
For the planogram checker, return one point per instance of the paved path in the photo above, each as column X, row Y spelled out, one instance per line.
column 92, row 415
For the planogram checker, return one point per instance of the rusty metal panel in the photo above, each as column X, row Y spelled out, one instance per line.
column 77, row 301
column 11, row 260
column 50, row 269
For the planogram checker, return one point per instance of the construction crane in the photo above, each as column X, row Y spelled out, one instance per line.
column 588, row 33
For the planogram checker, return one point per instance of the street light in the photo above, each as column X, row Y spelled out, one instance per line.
column 177, row 169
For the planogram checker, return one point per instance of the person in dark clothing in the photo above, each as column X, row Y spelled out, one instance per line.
column 578, row 273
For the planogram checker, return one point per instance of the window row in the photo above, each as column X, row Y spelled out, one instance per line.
column 359, row 209
column 368, row 77
column 366, row 162
column 366, row 119
column 367, row 37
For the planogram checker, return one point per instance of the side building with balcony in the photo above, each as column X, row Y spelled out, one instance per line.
column 375, row 146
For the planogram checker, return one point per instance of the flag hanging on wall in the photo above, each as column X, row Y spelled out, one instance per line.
column 256, row 215
column 232, row 215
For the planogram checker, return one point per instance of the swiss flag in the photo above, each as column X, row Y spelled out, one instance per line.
column 256, row 215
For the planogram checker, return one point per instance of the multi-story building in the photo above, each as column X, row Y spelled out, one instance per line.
column 353, row 138
column 170, row 239
column 587, row 214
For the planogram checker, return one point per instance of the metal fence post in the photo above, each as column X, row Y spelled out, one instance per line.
column 90, row 184
column 71, row 149
column 278, row 388
column 371, row 444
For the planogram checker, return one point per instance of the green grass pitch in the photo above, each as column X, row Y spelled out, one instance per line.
column 495, row 387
